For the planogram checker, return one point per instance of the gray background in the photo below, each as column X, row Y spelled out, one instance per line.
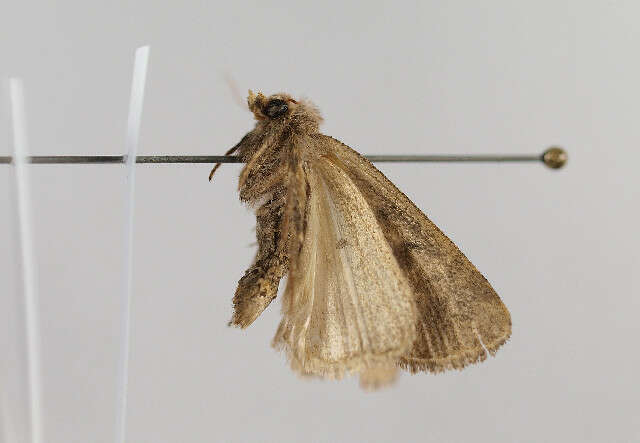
column 433, row 77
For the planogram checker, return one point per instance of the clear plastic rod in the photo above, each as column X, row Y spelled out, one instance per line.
column 131, row 143
column 27, row 262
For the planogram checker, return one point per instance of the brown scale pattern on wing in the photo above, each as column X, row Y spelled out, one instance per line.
column 295, row 218
column 456, row 305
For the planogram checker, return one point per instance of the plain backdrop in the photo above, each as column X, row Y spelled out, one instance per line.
column 560, row 247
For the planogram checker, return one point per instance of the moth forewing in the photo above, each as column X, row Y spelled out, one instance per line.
column 459, row 313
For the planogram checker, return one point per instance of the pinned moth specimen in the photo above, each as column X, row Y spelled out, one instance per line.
column 373, row 285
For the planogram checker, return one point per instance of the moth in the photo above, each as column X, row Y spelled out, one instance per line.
column 373, row 286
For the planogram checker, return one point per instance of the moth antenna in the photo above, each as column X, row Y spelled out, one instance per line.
column 235, row 92
column 217, row 165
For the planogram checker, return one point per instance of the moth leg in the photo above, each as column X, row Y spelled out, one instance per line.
column 259, row 285
column 217, row 165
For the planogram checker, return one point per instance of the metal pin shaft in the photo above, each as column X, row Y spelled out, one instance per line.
column 553, row 157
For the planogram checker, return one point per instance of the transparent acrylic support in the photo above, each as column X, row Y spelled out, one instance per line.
column 131, row 143
column 28, row 280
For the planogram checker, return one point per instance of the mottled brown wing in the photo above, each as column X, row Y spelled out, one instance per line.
column 348, row 307
column 459, row 313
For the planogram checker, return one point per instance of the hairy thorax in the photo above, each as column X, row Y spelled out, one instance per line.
column 269, row 148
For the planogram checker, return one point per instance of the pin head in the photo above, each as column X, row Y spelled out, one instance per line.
column 555, row 157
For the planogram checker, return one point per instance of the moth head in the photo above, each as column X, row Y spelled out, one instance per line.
column 281, row 108
column 273, row 107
